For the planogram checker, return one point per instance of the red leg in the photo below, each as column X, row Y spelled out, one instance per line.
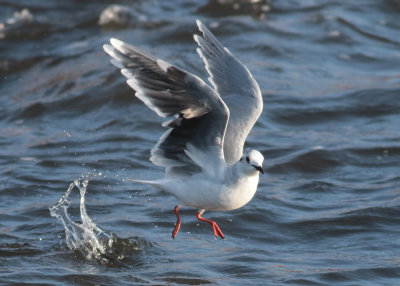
column 216, row 229
column 178, row 223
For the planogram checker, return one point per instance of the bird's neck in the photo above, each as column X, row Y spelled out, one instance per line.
column 238, row 172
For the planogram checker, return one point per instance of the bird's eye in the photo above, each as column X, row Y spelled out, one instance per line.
column 248, row 159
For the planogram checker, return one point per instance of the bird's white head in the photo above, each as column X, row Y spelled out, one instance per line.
column 252, row 162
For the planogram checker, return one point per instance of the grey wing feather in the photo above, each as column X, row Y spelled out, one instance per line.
column 239, row 90
column 200, row 115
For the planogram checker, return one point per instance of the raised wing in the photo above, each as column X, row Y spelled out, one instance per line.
column 239, row 90
column 196, row 133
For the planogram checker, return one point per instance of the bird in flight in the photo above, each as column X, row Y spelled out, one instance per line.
column 202, row 149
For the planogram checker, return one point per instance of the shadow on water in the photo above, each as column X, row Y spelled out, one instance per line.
column 87, row 239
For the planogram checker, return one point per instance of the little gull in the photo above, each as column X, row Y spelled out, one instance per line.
column 202, row 150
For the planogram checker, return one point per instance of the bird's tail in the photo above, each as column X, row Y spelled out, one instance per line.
column 155, row 184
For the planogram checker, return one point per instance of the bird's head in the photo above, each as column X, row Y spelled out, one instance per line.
column 252, row 161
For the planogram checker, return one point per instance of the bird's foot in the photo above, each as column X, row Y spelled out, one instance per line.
column 216, row 229
column 178, row 223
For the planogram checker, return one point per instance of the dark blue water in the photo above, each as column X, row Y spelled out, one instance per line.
column 327, row 212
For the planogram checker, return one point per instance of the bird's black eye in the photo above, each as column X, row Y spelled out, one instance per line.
column 248, row 159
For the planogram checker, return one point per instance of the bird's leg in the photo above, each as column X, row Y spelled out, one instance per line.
column 216, row 229
column 178, row 223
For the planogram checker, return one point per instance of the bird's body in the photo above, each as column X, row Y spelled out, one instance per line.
column 202, row 151
column 229, row 191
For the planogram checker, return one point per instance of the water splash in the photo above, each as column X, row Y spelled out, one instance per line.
column 87, row 238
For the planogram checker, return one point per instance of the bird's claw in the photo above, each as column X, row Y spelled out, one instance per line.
column 217, row 231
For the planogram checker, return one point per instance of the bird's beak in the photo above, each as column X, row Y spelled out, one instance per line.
column 259, row 168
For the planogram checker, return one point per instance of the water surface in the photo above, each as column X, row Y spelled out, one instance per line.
column 327, row 212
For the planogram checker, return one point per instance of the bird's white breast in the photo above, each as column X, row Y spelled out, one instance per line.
column 239, row 194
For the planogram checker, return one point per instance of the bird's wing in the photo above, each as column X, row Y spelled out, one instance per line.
column 235, row 84
column 196, row 133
